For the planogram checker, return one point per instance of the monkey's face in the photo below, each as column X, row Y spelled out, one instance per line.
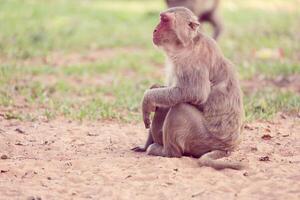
column 177, row 28
column 164, row 33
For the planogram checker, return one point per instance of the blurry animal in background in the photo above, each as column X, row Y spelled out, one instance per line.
column 205, row 10
column 199, row 113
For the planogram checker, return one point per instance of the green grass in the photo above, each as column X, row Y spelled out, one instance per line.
column 267, row 102
column 112, row 87
column 29, row 28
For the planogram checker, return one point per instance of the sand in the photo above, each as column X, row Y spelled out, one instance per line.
column 61, row 159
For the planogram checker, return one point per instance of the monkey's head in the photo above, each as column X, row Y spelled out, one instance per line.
column 177, row 28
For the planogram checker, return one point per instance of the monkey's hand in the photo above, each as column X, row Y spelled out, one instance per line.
column 147, row 108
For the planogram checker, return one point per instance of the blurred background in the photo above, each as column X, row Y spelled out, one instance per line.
column 93, row 59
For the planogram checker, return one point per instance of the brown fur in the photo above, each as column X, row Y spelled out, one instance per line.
column 205, row 10
column 200, row 111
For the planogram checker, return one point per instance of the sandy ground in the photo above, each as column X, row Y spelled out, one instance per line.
column 61, row 159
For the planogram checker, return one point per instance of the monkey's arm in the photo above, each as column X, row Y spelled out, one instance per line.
column 192, row 91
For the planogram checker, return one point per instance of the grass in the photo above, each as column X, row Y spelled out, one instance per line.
column 266, row 103
column 112, row 87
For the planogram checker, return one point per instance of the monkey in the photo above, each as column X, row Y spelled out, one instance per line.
column 199, row 113
column 206, row 10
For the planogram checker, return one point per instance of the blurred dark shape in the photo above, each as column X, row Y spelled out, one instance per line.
column 206, row 10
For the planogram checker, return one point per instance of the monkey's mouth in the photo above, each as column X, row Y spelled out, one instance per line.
column 156, row 39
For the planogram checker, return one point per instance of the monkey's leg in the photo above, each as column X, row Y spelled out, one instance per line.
column 216, row 22
column 181, row 122
column 184, row 132
column 156, row 150
column 155, row 132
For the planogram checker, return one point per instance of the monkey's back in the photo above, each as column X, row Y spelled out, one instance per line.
column 223, row 110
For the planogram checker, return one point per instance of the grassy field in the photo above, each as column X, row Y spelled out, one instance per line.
column 94, row 59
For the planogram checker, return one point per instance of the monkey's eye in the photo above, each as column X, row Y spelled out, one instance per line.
column 164, row 18
column 193, row 25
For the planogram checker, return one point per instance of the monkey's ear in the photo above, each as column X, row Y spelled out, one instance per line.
column 194, row 25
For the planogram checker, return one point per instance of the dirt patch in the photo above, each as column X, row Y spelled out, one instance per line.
column 289, row 83
column 62, row 159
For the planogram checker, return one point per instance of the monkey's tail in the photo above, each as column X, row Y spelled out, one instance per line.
column 210, row 159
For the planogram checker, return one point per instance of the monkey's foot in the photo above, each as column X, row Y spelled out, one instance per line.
column 155, row 150
column 139, row 149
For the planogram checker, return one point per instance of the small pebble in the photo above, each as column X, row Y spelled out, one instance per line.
column 4, row 157
column 19, row 130
column 265, row 158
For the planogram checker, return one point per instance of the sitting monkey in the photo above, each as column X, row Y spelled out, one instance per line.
column 205, row 10
column 199, row 113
